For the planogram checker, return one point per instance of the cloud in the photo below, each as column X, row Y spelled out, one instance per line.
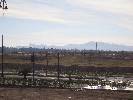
column 35, row 11
column 125, row 23
column 116, row 12
column 45, row 11
column 79, row 12
column 113, row 6
column 95, row 20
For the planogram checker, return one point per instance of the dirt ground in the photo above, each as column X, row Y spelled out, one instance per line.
column 62, row 94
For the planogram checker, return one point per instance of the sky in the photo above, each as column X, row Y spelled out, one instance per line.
column 60, row 22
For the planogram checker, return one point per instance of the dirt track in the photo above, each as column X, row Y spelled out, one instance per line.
column 61, row 94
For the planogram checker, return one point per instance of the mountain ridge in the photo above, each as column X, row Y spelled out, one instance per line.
column 89, row 46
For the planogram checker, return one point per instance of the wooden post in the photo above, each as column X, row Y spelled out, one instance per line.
column 47, row 64
column 96, row 47
column 58, row 66
column 70, row 72
column 2, row 74
column 95, row 55
column 33, row 66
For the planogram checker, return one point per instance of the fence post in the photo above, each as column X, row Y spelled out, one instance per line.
column 47, row 63
column 2, row 70
column 33, row 66
column 58, row 70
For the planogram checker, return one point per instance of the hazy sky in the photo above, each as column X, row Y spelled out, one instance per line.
column 60, row 22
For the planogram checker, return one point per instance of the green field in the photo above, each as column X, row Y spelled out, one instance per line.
column 69, row 60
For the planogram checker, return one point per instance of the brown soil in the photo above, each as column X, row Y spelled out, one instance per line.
column 62, row 94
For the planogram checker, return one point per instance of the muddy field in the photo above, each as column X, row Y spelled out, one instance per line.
column 62, row 94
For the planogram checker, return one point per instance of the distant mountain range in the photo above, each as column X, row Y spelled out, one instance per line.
column 89, row 46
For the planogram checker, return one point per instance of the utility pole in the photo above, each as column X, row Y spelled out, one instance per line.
column 96, row 47
column 58, row 67
column 3, row 5
column 47, row 63
column 70, row 73
column 33, row 66
column 2, row 47
column 95, row 53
